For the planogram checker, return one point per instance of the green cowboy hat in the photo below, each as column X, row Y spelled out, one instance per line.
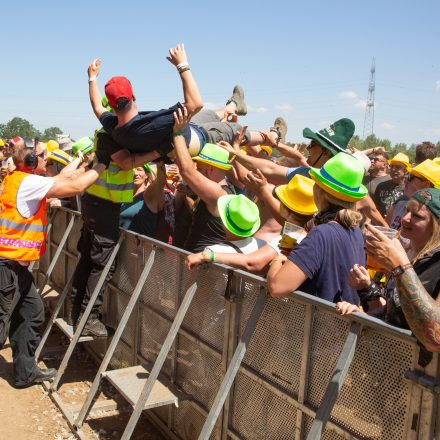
column 214, row 155
column 334, row 138
column 341, row 176
column 85, row 144
column 239, row 214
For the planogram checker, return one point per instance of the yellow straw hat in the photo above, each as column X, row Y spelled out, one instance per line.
column 297, row 195
column 400, row 159
column 428, row 170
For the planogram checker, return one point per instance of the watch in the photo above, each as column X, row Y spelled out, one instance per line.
column 398, row 270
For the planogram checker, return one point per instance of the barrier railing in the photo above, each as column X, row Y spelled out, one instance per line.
column 255, row 367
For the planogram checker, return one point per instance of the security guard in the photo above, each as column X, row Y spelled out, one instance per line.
column 23, row 228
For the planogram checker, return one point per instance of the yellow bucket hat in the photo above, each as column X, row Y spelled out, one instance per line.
column 400, row 159
column 297, row 195
column 428, row 170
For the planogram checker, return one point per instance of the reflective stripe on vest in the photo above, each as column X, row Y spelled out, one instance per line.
column 114, row 184
column 21, row 238
column 10, row 224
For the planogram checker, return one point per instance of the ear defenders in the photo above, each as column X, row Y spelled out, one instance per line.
column 31, row 161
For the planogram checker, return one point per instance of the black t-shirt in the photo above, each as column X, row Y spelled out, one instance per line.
column 205, row 228
column 147, row 131
column 428, row 270
column 386, row 195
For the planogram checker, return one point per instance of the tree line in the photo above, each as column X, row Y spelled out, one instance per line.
column 23, row 128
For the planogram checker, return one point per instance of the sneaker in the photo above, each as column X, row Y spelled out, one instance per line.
column 94, row 327
column 280, row 128
column 238, row 98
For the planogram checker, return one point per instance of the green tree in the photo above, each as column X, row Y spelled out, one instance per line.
column 51, row 133
column 18, row 127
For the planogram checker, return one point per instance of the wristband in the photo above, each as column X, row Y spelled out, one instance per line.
column 92, row 78
column 232, row 158
column 178, row 133
column 184, row 64
column 183, row 69
column 211, row 257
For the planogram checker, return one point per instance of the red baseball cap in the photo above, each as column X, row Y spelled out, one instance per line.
column 118, row 87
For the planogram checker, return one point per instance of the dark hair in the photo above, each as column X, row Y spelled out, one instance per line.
column 384, row 154
column 425, row 150
column 123, row 105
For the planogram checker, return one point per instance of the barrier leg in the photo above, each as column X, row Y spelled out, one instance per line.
column 57, row 254
column 116, row 337
column 54, row 315
column 148, row 387
column 232, row 370
column 85, row 316
column 336, row 382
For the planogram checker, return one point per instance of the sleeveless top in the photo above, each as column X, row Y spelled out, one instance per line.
column 205, row 229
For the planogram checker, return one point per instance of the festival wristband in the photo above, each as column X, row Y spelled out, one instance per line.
column 178, row 133
column 92, row 78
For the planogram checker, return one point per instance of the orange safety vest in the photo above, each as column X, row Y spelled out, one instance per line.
column 21, row 239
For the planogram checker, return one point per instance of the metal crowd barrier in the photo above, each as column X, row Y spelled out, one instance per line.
column 255, row 367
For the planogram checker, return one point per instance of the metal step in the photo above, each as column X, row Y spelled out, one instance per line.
column 130, row 383
column 68, row 330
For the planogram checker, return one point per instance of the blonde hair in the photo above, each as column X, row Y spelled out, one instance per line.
column 433, row 242
column 347, row 217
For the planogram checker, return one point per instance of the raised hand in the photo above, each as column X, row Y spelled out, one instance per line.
column 177, row 55
column 94, row 67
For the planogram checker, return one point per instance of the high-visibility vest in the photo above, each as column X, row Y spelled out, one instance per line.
column 113, row 184
column 21, row 239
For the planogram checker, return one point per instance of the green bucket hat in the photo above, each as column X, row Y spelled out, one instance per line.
column 334, row 138
column 214, row 155
column 85, row 144
column 239, row 214
column 104, row 102
column 431, row 198
column 341, row 176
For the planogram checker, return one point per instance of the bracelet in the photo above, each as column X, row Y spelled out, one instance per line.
column 232, row 158
column 398, row 270
column 92, row 78
column 184, row 64
column 183, row 69
column 178, row 133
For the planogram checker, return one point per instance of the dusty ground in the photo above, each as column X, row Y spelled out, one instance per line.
column 29, row 414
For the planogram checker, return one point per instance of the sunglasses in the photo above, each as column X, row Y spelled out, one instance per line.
column 376, row 159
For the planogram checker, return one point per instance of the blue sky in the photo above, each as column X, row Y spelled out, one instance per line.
column 306, row 61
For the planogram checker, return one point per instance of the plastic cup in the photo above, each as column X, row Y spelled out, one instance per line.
column 371, row 262
column 292, row 235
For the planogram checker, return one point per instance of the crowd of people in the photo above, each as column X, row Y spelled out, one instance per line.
column 313, row 219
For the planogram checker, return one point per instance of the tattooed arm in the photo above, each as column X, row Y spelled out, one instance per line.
column 421, row 311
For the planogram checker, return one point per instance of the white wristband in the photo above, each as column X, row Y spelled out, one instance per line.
column 92, row 78
column 185, row 64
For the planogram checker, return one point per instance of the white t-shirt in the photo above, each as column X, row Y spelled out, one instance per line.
column 31, row 192
column 247, row 246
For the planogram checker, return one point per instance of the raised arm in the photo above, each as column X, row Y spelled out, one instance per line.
column 191, row 94
column 154, row 194
column 208, row 190
column 94, row 93
column 277, row 174
column 293, row 153
column 71, row 184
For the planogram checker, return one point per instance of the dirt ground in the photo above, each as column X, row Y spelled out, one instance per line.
column 29, row 414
